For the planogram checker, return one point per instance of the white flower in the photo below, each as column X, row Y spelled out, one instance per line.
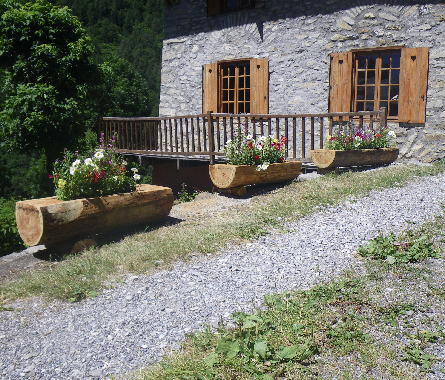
column 228, row 142
column 357, row 138
column 262, row 167
column 136, row 177
column 259, row 147
column 391, row 134
column 116, row 178
column 124, row 163
column 249, row 137
column 88, row 161
column 262, row 138
column 75, row 163
column 134, row 170
column 99, row 154
column 72, row 170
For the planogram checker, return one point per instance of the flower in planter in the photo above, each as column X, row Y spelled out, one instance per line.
column 103, row 173
column 243, row 149
column 350, row 136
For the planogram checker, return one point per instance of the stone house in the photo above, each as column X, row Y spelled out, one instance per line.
column 297, row 56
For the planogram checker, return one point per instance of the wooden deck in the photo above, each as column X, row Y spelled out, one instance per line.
column 202, row 137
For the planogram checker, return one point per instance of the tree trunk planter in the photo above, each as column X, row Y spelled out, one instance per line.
column 234, row 178
column 331, row 159
column 49, row 220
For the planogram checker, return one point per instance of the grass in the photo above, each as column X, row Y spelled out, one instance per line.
column 77, row 277
column 377, row 324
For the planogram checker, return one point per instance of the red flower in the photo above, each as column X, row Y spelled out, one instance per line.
column 257, row 157
column 283, row 139
column 50, row 176
column 378, row 135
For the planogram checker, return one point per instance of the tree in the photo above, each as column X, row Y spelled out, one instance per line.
column 48, row 78
column 123, row 90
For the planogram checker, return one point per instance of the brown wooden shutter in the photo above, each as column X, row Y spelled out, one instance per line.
column 340, row 82
column 213, row 7
column 210, row 87
column 413, row 85
column 259, row 86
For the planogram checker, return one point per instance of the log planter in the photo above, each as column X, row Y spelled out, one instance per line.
column 234, row 178
column 331, row 159
column 50, row 221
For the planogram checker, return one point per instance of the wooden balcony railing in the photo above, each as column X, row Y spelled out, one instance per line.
column 205, row 135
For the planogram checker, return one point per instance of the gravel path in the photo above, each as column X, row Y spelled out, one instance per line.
column 133, row 324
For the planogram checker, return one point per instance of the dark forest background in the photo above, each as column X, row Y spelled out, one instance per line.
column 127, row 36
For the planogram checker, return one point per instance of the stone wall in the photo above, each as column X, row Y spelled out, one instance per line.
column 297, row 38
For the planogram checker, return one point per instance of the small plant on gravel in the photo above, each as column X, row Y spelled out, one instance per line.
column 350, row 136
column 410, row 248
column 104, row 172
column 243, row 149
column 186, row 195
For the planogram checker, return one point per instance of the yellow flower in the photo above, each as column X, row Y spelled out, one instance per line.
column 62, row 184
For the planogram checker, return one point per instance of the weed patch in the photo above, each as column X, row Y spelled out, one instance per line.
column 411, row 247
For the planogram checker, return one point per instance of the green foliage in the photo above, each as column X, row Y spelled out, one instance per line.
column 124, row 92
column 186, row 195
column 413, row 247
column 415, row 354
column 104, row 172
column 87, row 143
column 24, row 175
column 49, row 75
column 10, row 240
column 131, row 30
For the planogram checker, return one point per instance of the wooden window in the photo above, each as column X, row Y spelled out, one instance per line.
column 376, row 82
column 216, row 7
column 236, row 86
column 395, row 78
column 234, row 79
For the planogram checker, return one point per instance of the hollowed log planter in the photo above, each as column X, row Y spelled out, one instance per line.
column 329, row 159
column 49, row 220
column 225, row 176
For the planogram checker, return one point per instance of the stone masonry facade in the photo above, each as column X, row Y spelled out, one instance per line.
column 297, row 37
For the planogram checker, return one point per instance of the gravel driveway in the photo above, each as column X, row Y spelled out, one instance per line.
column 135, row 323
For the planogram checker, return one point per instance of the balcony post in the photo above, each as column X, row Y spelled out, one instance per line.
column 383, row 114
column 210, row 134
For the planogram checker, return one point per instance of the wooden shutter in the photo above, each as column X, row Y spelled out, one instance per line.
column 259, row 86
column 340, row 82
column 210, row 87
column 413, row 85
column 213, row 7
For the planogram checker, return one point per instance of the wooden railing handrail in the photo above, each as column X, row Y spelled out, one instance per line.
column 205, row 134
column 248, row 116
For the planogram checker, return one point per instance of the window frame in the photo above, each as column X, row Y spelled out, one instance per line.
column 224, row 102
column 413, row 82
column 377, row 85
column 259, row 85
